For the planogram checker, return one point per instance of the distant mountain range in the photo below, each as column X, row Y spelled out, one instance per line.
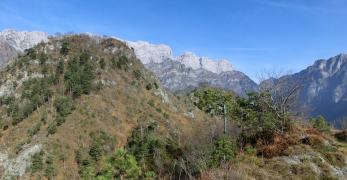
column 188, row 70
column 323, row 90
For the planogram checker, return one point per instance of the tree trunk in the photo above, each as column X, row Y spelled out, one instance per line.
column 225, row 119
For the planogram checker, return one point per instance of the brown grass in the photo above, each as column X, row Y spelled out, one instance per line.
column 278, row 145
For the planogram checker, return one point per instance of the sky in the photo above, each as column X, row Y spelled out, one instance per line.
column 254, row 35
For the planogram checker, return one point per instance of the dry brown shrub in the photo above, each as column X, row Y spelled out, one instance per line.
column 313, row 137
column 279, row 144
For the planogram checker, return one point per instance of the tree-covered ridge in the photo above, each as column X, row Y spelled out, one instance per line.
column 54, row 76
column 48, row 83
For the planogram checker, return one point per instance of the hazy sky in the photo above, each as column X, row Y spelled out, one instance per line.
column 253, row 34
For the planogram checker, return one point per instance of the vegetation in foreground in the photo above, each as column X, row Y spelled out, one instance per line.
column 98, row 114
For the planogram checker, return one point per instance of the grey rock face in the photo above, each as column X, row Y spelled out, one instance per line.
column 7, row 52
column 14, row 42
column 189, row 70
column 177, row 77
column 323, row 87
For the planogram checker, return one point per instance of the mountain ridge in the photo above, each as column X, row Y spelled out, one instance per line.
column 323, row 81
column 83, row 107
column 217, row 73
column 323, row 87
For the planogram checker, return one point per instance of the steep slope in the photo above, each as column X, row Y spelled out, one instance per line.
column 323, row 88
column 13, row 42
column 68, row 104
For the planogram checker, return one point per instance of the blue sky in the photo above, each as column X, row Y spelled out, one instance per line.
column 255, row 35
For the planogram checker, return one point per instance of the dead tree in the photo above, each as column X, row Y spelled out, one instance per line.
column 283, row 93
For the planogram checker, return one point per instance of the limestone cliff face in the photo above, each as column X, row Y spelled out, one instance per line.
column 13, row 42
column 178, row 77
column 189, row 70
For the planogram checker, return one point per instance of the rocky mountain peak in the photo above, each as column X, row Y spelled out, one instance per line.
column 158, row 53
column 150, row 53
column 195, row 62
column 190, row 60
column 189, row 70
column 331, row 66
column 21, row 40
column 322, row 87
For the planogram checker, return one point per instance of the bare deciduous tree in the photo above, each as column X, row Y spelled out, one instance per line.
column 283, row 93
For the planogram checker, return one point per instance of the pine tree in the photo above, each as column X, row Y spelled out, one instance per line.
column 64, row 48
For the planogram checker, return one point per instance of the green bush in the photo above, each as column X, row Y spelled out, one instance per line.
column 59, row 120
column 212, row 101
column 102, row 63
column 124, row 165
column 79, row 75
column 45, row 69
column 52, row 128
column 149, row 175
column 119, row 165
column 43, row 59
column 254, row 113
column 142, row 144
column 7, row 100
column 63, row 105
column 320, row 123
column 151, row 103
column 17, row 115
column 28, row 108
column 50, row 171
column 102, row 144
column 122, row 63
column 31, row 52
column 53, row 79
column 156, row 85
column 137, row 74
column 64, row 48
column 60, row 67
column 34, row 94
column 44, row 117
column 224, row 151
column 37, row 162
column 156, row 154
column 34, row 130
column 95, row 151
column 149, row 86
